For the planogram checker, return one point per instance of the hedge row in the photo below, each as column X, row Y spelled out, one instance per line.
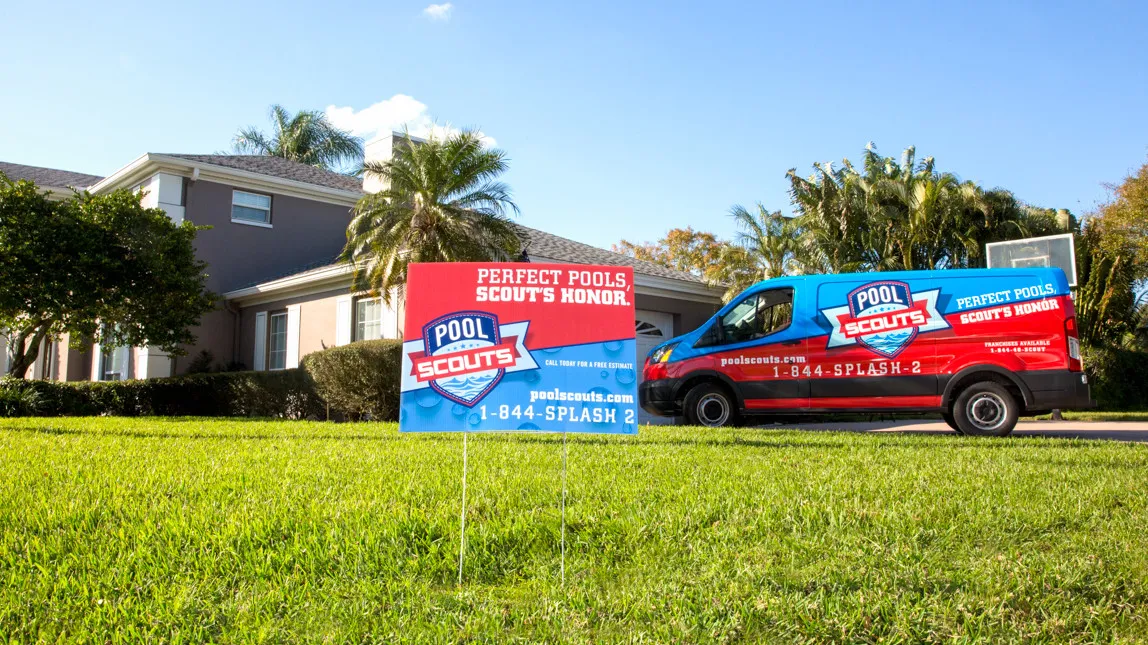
column 356, row 381
column 361, row 380
column 1118, row 378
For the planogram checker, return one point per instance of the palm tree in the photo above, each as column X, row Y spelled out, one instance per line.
column 771, row 239
column 831, row 214
column 442, row 203
column 307, row 137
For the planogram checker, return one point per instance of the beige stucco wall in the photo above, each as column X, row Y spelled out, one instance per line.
column 316, row 323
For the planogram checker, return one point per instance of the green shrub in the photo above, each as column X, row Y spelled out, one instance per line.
column 360, row 380
column 1118, row 377
column 18, row 402
column 286, row 394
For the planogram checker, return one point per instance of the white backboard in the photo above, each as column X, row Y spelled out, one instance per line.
column 1048, row 251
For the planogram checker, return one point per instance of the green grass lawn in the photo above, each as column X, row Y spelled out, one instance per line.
column 188, row 531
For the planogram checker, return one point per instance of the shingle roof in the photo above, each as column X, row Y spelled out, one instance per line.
column 547, row 245
column 281, row 168
column 540, row 245
column 48, row 177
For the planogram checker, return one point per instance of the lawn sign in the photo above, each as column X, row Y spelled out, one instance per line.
column 519, row 347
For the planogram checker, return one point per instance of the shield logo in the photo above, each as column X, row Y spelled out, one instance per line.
column 878, row 298
column 461, row 334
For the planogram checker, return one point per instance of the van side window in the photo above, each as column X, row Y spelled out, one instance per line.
column 758, row 316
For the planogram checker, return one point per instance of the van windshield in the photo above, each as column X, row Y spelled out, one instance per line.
column 758, row 316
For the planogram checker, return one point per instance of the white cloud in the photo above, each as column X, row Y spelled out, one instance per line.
column 392, row 115
column 438, row 11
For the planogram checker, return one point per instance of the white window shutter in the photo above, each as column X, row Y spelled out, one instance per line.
column 259, row 362
column 97, row 361
column 343, row 321
column 292, row 336
column 3, row 354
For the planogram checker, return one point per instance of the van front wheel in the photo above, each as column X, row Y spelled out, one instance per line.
column 709, row 405
column 952, row 423
column 986, row 409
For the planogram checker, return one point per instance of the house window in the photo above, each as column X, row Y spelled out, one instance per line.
column 250, row 208
column 277, row 342
column 113, row 364
column 369, row 319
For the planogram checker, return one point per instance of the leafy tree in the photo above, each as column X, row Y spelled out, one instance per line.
column 1125, row 222
column 683, row 249
column 442, row 203
column 307, row 137
column 1112, row 266
column 100, row 267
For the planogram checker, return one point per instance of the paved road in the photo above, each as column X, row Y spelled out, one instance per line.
column 1115, row 430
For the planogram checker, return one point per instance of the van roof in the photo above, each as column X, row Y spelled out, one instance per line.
column 1054, row 272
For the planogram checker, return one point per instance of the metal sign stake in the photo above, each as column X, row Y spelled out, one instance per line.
column 462, row 516
column 563, row 510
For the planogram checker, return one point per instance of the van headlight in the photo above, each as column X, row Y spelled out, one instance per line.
column 662, row 354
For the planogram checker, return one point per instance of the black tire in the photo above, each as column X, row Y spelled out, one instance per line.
column 948, row 417
column 986, row 409
column 710, row 405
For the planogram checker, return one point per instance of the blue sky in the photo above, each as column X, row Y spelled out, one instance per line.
column 620, row 121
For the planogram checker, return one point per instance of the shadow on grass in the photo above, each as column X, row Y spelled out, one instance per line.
column 773, row 438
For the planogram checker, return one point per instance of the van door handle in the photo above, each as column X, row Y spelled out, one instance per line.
column 790, row 343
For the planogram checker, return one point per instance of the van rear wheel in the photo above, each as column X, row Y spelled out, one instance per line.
column 710, row 405
column 986, row 409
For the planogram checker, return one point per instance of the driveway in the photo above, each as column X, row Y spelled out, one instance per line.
column 1115, row 430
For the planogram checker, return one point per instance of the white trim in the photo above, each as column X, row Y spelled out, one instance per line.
column 291, row 361
column 344, row 320
column 247, row 222
column 149, row 163
column 331, row 277
column 259, row 360
column 97, row 361
column 3, row 354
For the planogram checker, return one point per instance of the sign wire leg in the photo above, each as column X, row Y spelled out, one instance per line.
column 462, row 515
column 563, row 510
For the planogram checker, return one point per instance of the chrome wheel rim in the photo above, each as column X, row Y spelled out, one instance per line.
column 713, row 410
column 987, row 411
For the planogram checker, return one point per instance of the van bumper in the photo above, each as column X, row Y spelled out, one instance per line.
column 657, row 397
column 1058, row 390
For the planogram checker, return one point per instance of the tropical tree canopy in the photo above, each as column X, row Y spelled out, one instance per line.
column 897, row 215
column 442, row 202
column 887, row 215
column 307, row 137
column 100, row 267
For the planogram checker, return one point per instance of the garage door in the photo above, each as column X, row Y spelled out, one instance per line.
column 651, row 328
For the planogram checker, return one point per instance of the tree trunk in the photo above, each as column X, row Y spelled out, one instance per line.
column 25, row 353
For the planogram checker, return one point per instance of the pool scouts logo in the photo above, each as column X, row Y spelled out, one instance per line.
column 884, row 317
column 463, row 355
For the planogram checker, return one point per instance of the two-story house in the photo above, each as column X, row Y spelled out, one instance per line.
column 277, row 227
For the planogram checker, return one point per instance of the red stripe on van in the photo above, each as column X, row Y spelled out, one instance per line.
column 846, row 402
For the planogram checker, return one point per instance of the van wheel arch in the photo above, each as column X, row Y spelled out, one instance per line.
column 978, row 373
column 694, row 379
